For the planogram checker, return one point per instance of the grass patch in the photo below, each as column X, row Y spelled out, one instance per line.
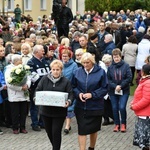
column 132, row 89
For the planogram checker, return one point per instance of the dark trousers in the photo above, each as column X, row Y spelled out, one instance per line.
column 63, row 31
column 132, row 71
column 138, row 76
column 108, row 113
column 2, row 117
column 18, row 112
column 8, row 113
column 34, row 112
column 53, row 127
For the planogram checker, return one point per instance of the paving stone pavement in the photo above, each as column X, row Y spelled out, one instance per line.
column 107, row 140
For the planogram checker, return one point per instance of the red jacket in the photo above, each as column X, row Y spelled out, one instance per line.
column 141, row 101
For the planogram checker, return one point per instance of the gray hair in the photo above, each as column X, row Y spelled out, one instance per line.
column 79, row 51
column 87, row 56
column 141, row 29
column 15, row 58
column 26, row 45
column 109, row 37
column 32, row 35
column 77, row 33
column 37, row 48
column 107, row 58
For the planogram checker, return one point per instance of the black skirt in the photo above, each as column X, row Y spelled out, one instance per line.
column 89, row 121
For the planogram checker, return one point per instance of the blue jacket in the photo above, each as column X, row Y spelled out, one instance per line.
column 69, row 68
column 119, row 74
column 68, row 71
column 2, row 83
column 109, row 47
column 95, row 83
column 139, row 23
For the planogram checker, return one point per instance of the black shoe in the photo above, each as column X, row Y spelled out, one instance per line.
column 42, row 127
column 36, row 128
column 67, row 130
column 90, row 148
column 105, row 123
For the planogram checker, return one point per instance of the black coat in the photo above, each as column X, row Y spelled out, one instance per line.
column 65, row 17
column 119, row 74
column 63, row 85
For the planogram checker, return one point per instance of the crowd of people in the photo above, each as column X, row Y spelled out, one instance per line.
column 92, row 57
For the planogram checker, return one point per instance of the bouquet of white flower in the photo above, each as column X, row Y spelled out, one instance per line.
column 18, row 76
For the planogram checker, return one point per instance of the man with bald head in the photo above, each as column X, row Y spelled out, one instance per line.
column 38, row 67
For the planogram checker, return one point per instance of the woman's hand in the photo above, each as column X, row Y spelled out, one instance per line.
column 25, row 87
column 81, row 97
column 131, row 106
column 67, row 104
column 4, row 87
column 87, row 96
column 84, row 97
column 118, row 88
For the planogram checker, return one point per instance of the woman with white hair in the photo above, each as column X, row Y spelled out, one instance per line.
column 140, row 34
column 105, row 63
column 17, row 98
column 109, row 44
column 78, row 54
column 25, row 53
column 90, row 87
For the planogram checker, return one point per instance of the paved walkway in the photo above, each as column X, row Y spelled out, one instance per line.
column 107, row 140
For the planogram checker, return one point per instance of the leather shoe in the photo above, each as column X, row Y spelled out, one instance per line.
column 67, row 130
column 90, row 148
column 36, row 128
column 15, row 132
column 42, row 127
column 23, row 131
column 105, row 123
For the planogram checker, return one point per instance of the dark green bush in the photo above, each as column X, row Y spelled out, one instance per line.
column 107, row 5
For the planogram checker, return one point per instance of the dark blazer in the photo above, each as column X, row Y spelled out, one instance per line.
column 117, row 38
column 95, row 83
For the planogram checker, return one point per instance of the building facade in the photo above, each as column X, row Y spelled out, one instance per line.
column 36, row 7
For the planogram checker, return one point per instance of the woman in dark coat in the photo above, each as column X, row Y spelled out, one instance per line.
column 119, row 77
column 90, row 86
column 54, row 116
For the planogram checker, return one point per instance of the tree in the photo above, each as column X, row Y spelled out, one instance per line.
column 107, row 5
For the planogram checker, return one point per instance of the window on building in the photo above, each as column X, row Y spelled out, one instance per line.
column 27, row 4
column 10, row 5
column 43, row 4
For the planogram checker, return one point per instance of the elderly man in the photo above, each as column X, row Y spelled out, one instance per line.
column 109, row 44
column 39, row 68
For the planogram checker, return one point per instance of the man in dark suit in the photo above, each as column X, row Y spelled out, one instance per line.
column 116, row 35
column 64, row 17
column 101, row 35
